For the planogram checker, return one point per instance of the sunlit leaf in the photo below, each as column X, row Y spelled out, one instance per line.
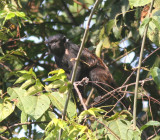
column 150, row 123
column 10, row 15
column 34, row 106
column 138, row 2
column 155, row 72
column 56, row 84
column 109, row 26
column 6, row 108
column 59, row 99
column 98, row 48
column 28, row 83
column 123, row 129
column 35, row 88
column 59, row 71
column 143, row 25
column 23, row 78
column 20, row 14
column 24, row 119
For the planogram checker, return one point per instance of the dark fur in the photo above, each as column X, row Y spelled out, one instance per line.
column 90, row 65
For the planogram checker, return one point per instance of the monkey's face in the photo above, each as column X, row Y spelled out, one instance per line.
column 56, row 44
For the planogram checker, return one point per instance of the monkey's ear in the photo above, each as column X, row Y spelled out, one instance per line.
column 64, row 39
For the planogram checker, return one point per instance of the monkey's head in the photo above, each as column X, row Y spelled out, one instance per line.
column 56, row 44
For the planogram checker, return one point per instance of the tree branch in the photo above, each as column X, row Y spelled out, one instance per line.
column 68, row 13
column 19, row 124
column 139, row 67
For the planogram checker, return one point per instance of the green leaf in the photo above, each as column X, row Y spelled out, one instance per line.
column 35, row 88
column 150, row 123
column 6, row 108
column 155, row 72
column 92, row 111
column 24, row 119
column 63, row 89
column 32, row 73
column 39, row 105
column 106, row 42
column 143, row 25
column 56, row 84
column 123, row 129
column 117, row 32
column 24, row 71
column 59, row 99
column 34, row 106
column 59, row 71
column 1, row 51
column 17, row 95
column 110, row 26
column 125, row 7
column 137, row 3
column 10, row 15
column 3, row 13
column 47, row 116
column 20, row 14
column 98, row 48
column 22, row 78
column 156, row 22
column 28, row 83
column 82, row 129
column 156, row 138
column 61, row 76
column 154, row 28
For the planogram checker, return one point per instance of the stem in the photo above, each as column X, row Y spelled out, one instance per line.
column 80, row 96
column 89, row 96
column 139, row 67
column 77, row 62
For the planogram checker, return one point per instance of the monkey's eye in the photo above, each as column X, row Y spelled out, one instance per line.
column 52, row 42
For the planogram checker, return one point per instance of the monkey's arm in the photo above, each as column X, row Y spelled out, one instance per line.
column 89, row 58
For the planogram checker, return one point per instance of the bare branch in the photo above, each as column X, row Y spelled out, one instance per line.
column 69, row 13
column 80, row 96
column 19, row 124
column 139, row 67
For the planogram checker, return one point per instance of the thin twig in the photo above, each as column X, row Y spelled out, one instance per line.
column 80, row 96
column 152, row 115
column 89, row 96
column 70, row 16
column 19, row 124
column 139, row 67
column 142, row 62
column 3, row 138
column 103, row 98
column 153, row 135
column 150, row 54
column 124, row 86
column 125, row 54
column 116, row 104
column 6, row 67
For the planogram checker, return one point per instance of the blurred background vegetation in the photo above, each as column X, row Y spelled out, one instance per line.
column 115, row 35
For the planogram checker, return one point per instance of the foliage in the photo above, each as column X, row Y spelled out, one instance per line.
column 33, row 91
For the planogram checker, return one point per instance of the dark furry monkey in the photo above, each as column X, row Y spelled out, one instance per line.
column 90, row 65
